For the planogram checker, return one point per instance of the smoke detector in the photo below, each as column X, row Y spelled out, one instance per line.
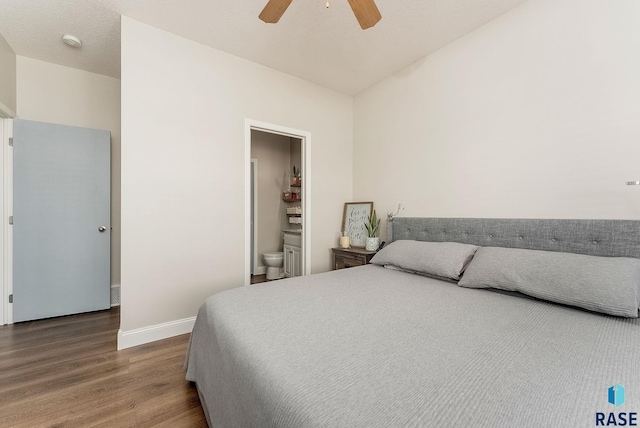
column 72, row 41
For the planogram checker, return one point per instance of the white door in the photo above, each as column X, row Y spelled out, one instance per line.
column 288, row 261
column 61, row 220
column 296, row 256
column 292, row 261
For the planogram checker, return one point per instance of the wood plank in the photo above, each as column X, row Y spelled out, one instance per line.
column 66, row 372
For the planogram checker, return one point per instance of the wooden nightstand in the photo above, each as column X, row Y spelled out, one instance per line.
column 342, row 258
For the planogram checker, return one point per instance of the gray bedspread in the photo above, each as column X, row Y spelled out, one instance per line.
column 371, row 347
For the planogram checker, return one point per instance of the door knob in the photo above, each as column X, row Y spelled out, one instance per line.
column 102, row 229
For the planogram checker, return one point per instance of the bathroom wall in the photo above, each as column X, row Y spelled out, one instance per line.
column 295, row 153
column 273, row 154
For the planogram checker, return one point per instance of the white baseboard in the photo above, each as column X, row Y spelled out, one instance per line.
column 140, row 336
column 260, row 270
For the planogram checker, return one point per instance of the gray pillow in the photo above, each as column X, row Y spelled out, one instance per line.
column 436, row 259
column 602, row 284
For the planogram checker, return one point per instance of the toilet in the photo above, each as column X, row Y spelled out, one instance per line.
column 274, row 263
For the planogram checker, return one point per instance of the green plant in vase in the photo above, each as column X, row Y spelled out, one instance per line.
column 373, row 225
column 295, row 176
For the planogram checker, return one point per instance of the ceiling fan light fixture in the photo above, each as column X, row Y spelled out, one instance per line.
column 274, row 10
column 366, row 11
column 72, row 41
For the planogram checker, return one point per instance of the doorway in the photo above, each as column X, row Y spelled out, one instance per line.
column 6, row 130
column 4, row 227
column 253, row 254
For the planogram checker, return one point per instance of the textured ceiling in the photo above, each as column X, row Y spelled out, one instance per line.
column 34, row 28
column 324, row 46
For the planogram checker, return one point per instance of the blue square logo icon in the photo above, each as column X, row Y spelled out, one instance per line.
column 616, row 395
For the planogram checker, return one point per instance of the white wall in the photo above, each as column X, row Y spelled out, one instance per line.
column 184, row 107
column 7, row 75
column 533, row 115
column 52, row 93
column 273, row 154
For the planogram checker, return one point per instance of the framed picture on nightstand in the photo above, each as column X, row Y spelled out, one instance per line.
column 354, row 217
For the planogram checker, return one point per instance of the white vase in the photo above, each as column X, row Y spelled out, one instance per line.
column 372, row 244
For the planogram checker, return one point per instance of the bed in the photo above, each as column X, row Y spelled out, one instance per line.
column 386, row 345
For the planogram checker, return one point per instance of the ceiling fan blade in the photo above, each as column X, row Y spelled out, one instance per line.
column 274, row 10
column 366, row 12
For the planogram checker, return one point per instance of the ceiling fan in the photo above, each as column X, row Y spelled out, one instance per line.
column 366, row 11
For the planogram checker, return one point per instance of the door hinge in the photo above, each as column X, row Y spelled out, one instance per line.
column 10, row 219
column 10, row 298
column 11, row 141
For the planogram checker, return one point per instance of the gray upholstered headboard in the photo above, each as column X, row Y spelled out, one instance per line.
column 613, row 238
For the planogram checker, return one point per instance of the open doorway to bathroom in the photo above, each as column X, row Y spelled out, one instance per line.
column 278, row 202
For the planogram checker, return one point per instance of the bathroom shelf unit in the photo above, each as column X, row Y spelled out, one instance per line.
column 290, row 199
column 293, row 253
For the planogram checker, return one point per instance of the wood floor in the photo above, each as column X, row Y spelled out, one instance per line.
column 66, row 372
column 258, row 279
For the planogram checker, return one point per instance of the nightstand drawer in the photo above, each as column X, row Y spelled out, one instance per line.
column 350, row 257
